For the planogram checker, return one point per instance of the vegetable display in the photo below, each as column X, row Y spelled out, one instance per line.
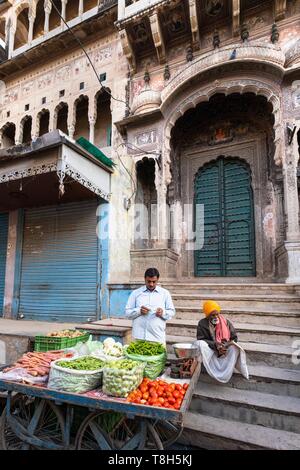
column 121, row 377
column 112, row 348
column 145, row 348
column 76, row 375
column 66, row 334
column 159, row 393
column 37, row 363
column 85, row 363
column 152, row 354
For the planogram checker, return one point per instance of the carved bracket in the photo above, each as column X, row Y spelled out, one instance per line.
column 280, row 9
column 158, row 38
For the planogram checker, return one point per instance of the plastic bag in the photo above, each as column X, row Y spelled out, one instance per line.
column 21, row 375
column 74, row 381
column 120, row 382
column 87, row 348
column 154, row 365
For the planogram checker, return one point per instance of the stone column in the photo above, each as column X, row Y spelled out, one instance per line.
column 12, row 33
column 63, row 8
column 288, row 255
column 80, row 11
column 19, row 133
column 31, row 24
column 289, row 170
column 92, row 122
column 47, row 8
column 121, row 9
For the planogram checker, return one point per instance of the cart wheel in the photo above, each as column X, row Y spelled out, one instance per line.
column 33, row 424
column 104, row 430
column 96, row 433
column 167, row 431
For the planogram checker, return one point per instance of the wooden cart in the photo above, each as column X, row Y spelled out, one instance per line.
column 36, row 417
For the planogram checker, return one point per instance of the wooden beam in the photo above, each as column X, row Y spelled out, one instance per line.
column 194, row 24
column 280, row 9
column 158, row 37
column 236, row 17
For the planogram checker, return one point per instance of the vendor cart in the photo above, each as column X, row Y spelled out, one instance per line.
column 36, row 417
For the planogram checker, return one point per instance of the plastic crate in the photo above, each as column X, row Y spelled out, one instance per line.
column 52, row 343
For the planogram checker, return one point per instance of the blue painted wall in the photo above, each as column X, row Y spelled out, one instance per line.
column 118, row 300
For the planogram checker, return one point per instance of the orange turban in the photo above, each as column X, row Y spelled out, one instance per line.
column 209, row 306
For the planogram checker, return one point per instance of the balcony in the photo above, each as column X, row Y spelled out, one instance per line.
column 128, row 8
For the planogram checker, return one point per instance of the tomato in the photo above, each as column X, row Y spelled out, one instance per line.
column 161, row 383
column 178, row 402
column 172, row 401
column 146, row 395
column 160, row 391
column 185, row 386
column 143, row 402
column 178, row 387
column 137, row 401
column 176, row 394
column 143, row 388
column 151, row 401
column 152, row 390
column 172, row 386
column 139, row 394
column 153, row 394
column 176, row 406
column 161, row 400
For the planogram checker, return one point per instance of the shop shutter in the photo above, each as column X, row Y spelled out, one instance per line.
column 3, row 253
column 59, row 273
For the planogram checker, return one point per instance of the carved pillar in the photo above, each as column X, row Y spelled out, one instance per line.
column 92, row 122
column 80, row 10
column 63, row 8
column 288, row 255
column 36, row 120
column 31, row 24
column 121, row 9
column 236, row 13
column 12, row 33
column 71, row 119
column 194, row 23
column 290, row 164
column 19, row 132
column 280, row 9
column 47, row 8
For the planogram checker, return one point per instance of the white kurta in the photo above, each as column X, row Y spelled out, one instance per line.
column 221, row 368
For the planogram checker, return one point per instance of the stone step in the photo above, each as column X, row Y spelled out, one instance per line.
column 257, row 353
column 229, row 288
column 247, row 315
column 263, row 379
column 247, row 406
column 208, row 432
column 246, row 332
column 239, row 301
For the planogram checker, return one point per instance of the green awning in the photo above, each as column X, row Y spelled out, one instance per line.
column 93, row 150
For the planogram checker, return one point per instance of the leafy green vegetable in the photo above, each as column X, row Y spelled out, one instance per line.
column 84, row 363
column 145, row 348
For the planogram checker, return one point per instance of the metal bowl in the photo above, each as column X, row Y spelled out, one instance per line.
column 185, row 350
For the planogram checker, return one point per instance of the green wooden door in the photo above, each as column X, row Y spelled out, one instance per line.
column 224, row 188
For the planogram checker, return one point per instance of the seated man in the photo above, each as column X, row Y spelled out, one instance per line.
column 217, row 340
column 150, row 307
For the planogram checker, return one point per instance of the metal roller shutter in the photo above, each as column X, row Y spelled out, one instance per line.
column 3, row 253
column 59, row 275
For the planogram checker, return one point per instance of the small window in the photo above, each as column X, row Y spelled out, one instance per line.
column 8, row 114
column 102, row 77
column 81, row 86
column 44, row 100
column 26, row 107
column 61, row 93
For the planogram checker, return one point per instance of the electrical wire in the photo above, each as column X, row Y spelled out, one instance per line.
column 87, row 56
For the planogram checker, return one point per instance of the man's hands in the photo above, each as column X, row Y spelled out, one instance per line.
column 222, row 349
column 159, row 312
column 144, row 310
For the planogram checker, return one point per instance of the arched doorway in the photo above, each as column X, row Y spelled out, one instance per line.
column 224, row 187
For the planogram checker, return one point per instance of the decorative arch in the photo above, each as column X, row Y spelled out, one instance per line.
column 39, row 21
column 81, row 117
column 43, row 122
column 227, row 87
column 8, row 135
column 21, row 24
column 26, row 129
column 60, row 118
column 3, row 27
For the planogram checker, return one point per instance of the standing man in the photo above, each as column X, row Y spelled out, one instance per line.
column 150, row 307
